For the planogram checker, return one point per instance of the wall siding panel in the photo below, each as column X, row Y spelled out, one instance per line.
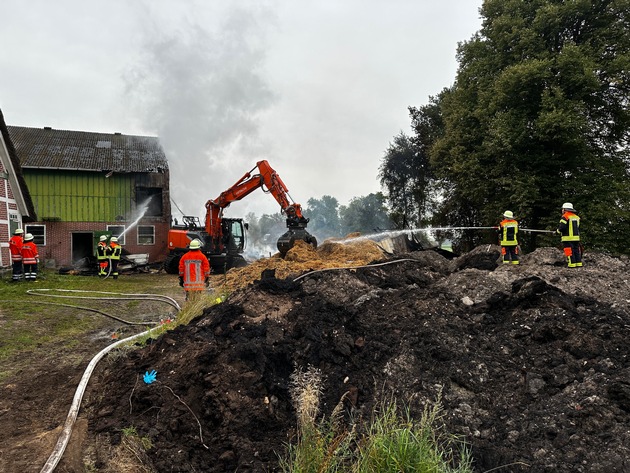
column 81, row 196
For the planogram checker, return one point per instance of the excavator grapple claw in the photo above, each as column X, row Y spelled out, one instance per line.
column 287, row 241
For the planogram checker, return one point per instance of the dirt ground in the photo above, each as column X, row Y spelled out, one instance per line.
column 531, row 363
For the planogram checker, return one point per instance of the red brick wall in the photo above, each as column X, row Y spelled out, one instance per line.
column 59, row 239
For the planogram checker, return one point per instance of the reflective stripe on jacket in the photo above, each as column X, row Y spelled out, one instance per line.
column 29, row 253
column 115, row 250
column 15, row 247
column 569, row 227
column 194, row 268
column 509, row 231
column 101, row 250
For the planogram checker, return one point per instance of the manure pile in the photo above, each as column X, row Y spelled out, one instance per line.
column 531, row 363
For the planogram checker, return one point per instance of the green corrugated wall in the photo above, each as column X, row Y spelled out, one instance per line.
column 80, row 196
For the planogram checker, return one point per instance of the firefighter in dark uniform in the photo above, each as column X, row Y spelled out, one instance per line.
column 508, row 238
column 569, row 229
column 101, row 256
column 114, row 251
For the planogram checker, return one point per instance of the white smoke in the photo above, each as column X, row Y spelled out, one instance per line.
column 201, row 88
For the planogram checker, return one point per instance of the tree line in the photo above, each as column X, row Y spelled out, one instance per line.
column 537, row 116
column 327, row 219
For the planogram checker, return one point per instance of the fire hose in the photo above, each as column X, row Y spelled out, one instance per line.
column 64, row 438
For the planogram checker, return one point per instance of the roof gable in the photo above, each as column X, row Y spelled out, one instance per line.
column 87, row 151
column 11, row 164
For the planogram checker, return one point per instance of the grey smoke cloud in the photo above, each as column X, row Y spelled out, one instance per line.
column 202, row 90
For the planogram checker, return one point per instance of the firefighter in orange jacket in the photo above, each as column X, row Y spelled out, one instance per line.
column 30, row 258
column 15, row 248
column 194, row 270
column 508, row 238
column 569, row 229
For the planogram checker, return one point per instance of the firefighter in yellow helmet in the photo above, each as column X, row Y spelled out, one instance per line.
column 508, row 238
column 569, row 229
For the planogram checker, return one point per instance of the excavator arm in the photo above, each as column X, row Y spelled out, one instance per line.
column 269, row 180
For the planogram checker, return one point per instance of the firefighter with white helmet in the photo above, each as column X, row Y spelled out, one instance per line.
column 15, row 248
column 114, row 251
column 508, row 238
column 194, row 270
column 101, row 256
column 30, row 258
column 569, row 229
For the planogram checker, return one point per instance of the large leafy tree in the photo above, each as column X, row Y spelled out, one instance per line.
column 538, row 115
column 406, row 176
column 406, row 172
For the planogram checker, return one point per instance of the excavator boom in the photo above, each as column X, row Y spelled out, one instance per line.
column 269, row 180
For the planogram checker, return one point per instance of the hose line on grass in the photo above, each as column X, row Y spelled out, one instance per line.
column 143, row 297
column 126, row 322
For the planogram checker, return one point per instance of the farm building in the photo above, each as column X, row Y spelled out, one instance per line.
column 84, row 184
column 16, row 206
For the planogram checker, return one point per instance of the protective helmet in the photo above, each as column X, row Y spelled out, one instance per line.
column 18, row 231
column 508, row 214
column 28, row 237
column 114, row 239
column 195, row 244
column 567, row 206
column 102, row 238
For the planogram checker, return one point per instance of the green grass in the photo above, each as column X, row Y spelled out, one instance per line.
column 392, row 441
column 31, row 323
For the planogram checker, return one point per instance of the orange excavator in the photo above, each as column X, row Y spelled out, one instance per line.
column 223, row 239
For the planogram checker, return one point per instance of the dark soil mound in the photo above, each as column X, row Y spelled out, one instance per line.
column 532, row 363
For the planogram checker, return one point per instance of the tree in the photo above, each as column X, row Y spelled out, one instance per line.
column 406, row 175
column 324, row 217
column 366, row 214
column 538, row 115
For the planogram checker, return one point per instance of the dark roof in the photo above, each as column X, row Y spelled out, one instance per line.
column 21, row 182
column 87, row 151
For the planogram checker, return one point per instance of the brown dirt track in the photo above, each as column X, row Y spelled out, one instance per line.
column 532, row 364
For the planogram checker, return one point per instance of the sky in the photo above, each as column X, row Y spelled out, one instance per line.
column 318, row 88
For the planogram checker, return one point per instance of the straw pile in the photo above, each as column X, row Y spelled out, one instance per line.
column 300, row 259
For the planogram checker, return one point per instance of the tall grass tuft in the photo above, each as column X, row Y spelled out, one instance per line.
column 392, row 440
column 322, row 445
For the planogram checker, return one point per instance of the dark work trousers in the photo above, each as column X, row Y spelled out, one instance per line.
column 18, row 270
column 573, row 252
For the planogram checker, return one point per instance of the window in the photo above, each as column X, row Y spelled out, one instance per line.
column 149, row 201
column 38, row 232
column 117, row 231
column 146, row 235
column 14, row 223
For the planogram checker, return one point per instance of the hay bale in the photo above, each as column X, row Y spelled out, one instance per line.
column 300, row 259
